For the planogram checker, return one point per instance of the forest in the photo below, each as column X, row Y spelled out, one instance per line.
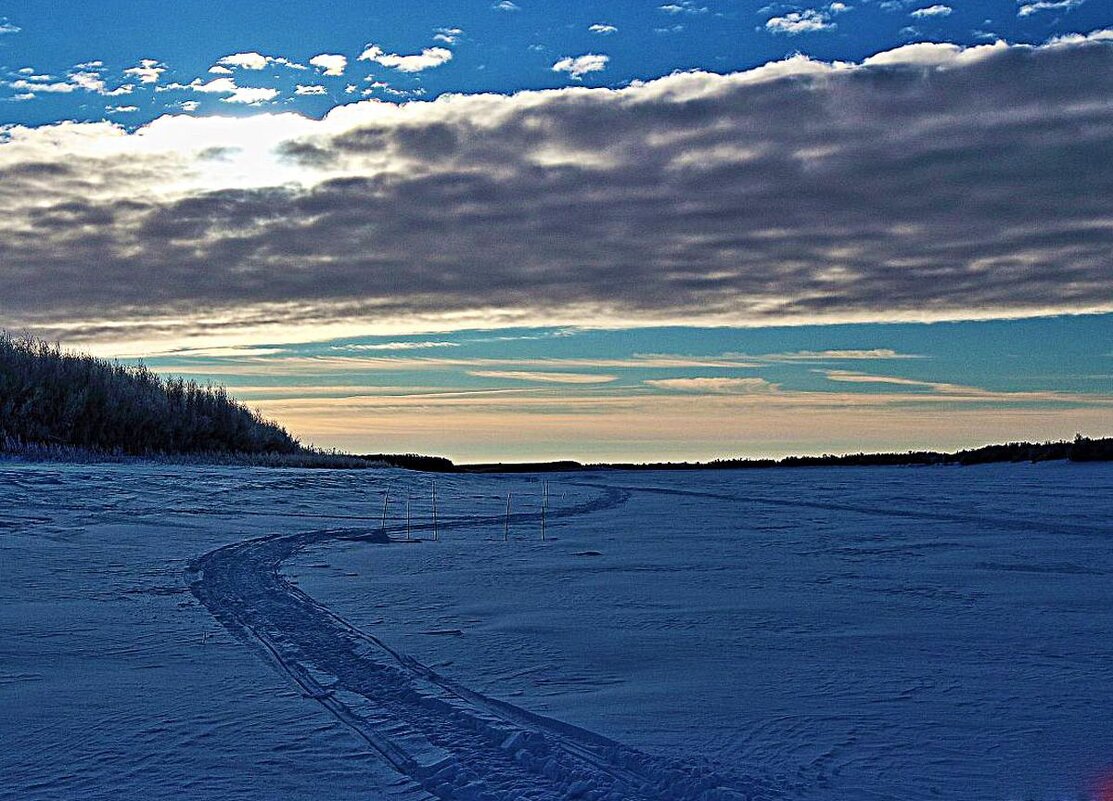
column 54, row 398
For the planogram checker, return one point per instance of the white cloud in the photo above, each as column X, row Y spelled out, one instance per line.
column 545, row 378
column 506, row 5
column 215, row 86
column 932, row 11
column 311, row 89
column 121, row 109
column 838, row 8
column 58, row 87
column 330, row 64
column 683, row 7
column 252, row 61
column 828, row 355
column 84, row 81
column 89, row 81
column 716, row 385
column 420, row 345
column 250, row 95
column 216, row 69
column 448, row 35
column 189, row 105
column 148, row 71
column 427, row 59
column 602, row 28
column 247, row 95
column 579, row 66
column 796, row 22
column 7, row 27
column 1027, row 8
column 245, row 61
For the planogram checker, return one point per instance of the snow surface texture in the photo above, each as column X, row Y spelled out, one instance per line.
column 867, row 633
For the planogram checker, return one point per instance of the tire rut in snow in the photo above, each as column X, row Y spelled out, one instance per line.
column 448, row 742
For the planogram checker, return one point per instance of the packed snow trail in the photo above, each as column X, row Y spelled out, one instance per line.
column 445, row 741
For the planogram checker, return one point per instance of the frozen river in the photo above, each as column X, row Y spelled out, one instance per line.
column 870, row 633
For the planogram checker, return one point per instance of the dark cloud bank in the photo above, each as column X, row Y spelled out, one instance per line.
column 930, row 182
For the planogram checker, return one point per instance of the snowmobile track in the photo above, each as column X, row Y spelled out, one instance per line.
column 445, row 741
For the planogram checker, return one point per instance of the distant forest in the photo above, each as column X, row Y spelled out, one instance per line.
column 52, row 398
column 1081, row 449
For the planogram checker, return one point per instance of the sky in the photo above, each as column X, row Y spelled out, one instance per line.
column 606, row 231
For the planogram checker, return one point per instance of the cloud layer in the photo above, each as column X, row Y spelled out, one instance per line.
column 930, row 182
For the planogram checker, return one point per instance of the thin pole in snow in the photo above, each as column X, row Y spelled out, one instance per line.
column 544, row 503
column 386, row 501
column 506, row 525
column 408, row 517
column 436, row 536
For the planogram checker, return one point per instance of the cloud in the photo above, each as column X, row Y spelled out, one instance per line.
column 448, row 35
column 830, row 355
column 84, row 78
column 422, row 345
column 931, row 182
column 427, row 59
column 121, row 109
column 579, row 66
column 246, row 95
column 720, row 385
column 797, row 22
column 932, row 11
column 330, row 64
column 244, row 61
column 683, row 7
column 89, row 81
column 545, row 378
column 215, row 86
column 939, row 391
column 506, row 5
column 601, row 28
column 1028, row 8
column 36, row 86
column 250, row 95
column 310, row 89
column 219, row 70
column 8, row 27
column 148, row 71
column 254, row 61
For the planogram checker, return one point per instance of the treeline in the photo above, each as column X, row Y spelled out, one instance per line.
column 1081, row 449
column 56, row 399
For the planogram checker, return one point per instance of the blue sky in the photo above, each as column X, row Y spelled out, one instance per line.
column 622, row 230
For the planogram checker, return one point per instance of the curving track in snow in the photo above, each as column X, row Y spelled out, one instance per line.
column 444, row 741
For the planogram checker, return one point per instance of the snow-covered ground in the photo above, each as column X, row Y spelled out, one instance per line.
column 874, row 633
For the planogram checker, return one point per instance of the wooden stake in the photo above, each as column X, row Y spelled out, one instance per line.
column 506, row 527
column 544, row 503
column 436, row 535
column 408, row 518
column 386, row 501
